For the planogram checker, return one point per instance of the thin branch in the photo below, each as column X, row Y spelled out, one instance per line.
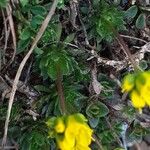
column 126, row 50
column 137, row 145
column 14, row 87
column 12, row 28
column 98, row 142
column 132, row 37
column 7, row 31
column 9, row 148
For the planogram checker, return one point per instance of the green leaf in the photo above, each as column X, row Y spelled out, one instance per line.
column 59, row 31
column 22, row 45
column 64, row 65
column 84, row 10
column 3, row 3
column 131, row 12
column 36, row 20
column 42, row 88
column 93, row 122
column 117, row 2
column 38, row 10
column 25, row 34
column 97, row 109
column 109, row 18
column 52, row 72
column 38, row 51
column 24, row 2
column 69, row 38
column 143, row 65
column 60, row 4
column 141, row 21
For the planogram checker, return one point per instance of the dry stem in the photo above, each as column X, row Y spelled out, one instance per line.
column 60, row 91
column 12, row 28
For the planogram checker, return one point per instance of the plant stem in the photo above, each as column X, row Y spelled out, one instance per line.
column 60, row 91
column 98, row 142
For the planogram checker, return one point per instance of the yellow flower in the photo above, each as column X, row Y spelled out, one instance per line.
column 77, row 134
column 128, row 83
column 137, row 100
column 64, row 143
column 60, row 126
column 84, row 131
column 79, row 147
column 138, row 86
column 146, row 95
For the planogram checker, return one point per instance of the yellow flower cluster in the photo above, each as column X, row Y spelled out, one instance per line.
column 138, row 86
column 71, row 132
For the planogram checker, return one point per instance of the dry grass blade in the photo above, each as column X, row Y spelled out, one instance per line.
column 7, row 32
column 12, row 28
column 14, row 87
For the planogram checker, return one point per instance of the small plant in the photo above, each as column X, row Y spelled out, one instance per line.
column 55, row 59
column 107, row 19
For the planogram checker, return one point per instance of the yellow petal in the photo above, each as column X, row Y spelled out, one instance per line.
column 140, row 81
column 128, row 83
column 77, row 134
column 80, row 147
column 145, row 93
column 85, row 136
column 137, row 100
column 60, row 126
column 65, row 144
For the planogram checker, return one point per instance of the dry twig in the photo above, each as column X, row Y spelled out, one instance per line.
column 7, row 31
column 132, row 37
column 12, row 28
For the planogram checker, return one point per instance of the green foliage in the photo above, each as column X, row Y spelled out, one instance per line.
column 108, row 19
column 132, row 14
column 143, row 64
column 49, row 101
column 63, row 50
column 15, row 115
column 34, row 137
column 24, row 2
column 108, row 86
column 55, row 60
column 141, row 21
column 30, row 24
column 136, row 132
column 3, row 3
column 74, row 98
column 106, row 134
column 60, row 4
column 97, row 110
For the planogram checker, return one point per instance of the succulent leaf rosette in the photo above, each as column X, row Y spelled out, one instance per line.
column 71, row 132
column 138, row 86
